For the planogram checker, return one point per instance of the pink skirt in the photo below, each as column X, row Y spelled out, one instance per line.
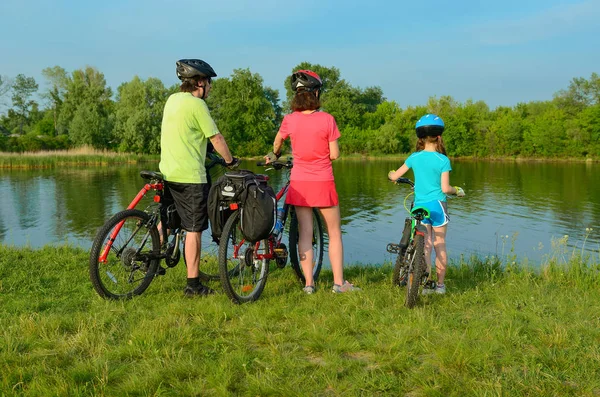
column 312, row 194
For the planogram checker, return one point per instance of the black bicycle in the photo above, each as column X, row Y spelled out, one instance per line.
column 127, row 250
column 411, row 268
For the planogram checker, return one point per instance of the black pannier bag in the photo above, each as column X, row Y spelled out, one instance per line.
column 258, row 209
column 253, row 196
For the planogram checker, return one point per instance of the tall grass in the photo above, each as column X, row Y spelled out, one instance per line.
column 502, row 329
column 74, row 157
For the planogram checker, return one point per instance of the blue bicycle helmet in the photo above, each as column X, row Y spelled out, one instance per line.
column 429, row 125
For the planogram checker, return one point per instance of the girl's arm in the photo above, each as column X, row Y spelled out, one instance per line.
column 393, row 175
column 334, row 150
column 446, row 188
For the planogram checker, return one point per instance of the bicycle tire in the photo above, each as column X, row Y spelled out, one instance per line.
column 242, row 279
column 129, row 267
column 399, row 273
column 318, row 245
column 415, row 276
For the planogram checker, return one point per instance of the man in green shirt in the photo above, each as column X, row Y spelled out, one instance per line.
column 186, row 129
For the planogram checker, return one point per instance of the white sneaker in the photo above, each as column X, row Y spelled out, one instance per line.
column 439, row 289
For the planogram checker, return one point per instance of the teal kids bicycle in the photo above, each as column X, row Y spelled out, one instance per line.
column 411, row 269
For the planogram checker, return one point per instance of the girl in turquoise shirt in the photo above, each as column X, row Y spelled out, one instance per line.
column 431, row 169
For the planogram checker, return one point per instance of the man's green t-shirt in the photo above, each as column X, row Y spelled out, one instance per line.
column 186, row 127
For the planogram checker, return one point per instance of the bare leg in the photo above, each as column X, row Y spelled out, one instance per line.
column 305, row 250
column 441, row 257
column 428, row 248
column 192, row 253
column 332, row 218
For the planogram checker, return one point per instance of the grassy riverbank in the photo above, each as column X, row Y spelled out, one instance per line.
column 77, row 157
column 498, row 331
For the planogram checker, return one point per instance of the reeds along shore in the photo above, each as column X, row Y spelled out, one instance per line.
column 74, row 157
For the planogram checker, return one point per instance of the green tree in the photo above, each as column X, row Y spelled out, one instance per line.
column 505, row 135
column 86, row 112
column 5, row 87
column 243, row 111
column 138, row 115
column 59, row 81
column 23, row 88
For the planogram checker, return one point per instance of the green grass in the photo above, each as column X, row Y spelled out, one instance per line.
column 75, row 157
column 505, row 331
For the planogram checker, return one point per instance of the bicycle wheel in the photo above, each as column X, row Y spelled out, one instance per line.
column 243, row 277
column 209, row 257
column 416, row 266
column 130, row 264
column 399, row 273
column 317, row 244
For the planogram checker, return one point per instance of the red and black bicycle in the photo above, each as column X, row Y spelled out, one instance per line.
column 127, row 250
column 244, row 266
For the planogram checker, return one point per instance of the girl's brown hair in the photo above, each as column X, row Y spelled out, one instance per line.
column 305, row 100
column 439, row 147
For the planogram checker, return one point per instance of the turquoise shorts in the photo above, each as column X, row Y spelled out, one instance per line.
column 438, row 213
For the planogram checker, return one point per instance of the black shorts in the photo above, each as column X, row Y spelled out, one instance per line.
column 191, row 202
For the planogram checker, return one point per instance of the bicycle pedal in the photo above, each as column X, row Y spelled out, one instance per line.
column 393, row 248
column 281, row 255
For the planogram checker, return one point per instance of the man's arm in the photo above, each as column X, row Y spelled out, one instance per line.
column 221, row 147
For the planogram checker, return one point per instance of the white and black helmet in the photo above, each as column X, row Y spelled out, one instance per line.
column 190, row 68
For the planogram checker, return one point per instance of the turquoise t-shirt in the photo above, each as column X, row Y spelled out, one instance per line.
column 428, row 168
column 186, row 127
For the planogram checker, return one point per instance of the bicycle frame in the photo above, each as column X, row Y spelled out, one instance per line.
column 270, row 254
column 159, row 188
column 272, row 241
column 147, row 187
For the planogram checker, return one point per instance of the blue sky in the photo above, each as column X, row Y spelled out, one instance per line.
column 500, row 52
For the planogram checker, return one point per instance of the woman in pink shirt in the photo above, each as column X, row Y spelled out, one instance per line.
column 314, row 136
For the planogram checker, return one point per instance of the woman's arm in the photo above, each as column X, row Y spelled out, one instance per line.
column 393, row 175
column 277, row 143
column 334, row 150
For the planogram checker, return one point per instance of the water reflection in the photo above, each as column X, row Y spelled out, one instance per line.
column 509, row 208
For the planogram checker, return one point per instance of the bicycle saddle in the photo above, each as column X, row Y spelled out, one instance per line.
column 152, row 175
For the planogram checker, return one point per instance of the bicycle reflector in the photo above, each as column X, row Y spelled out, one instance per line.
column 233, row 206
column 157, row 198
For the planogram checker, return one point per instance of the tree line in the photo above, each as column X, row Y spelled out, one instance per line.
column 80, row 109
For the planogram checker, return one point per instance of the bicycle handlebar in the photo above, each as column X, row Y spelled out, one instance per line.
column 277, row 164
column 405, row 180
column 214, row 160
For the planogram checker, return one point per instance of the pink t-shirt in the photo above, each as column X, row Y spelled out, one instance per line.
column 310, row 135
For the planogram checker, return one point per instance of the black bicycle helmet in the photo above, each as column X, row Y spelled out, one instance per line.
column 306, row 79
column 189, row 68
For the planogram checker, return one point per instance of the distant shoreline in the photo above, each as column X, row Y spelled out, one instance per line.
column 90, row 157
